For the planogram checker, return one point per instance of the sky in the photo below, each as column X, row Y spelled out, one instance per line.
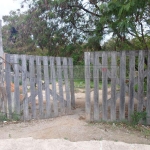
column 7, row 5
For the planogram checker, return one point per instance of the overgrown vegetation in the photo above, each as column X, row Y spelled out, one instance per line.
column 14, row 117
column 138, row 117
column 3, row 117
column 70, row 27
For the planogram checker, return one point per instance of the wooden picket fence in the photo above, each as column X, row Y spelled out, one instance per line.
column 129, row 81
column 38, row 86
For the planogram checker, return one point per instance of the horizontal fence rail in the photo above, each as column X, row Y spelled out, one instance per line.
column 125, row 79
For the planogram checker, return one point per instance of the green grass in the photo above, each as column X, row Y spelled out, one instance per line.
column 81, row 84
column 3, row 117
column 15, row 117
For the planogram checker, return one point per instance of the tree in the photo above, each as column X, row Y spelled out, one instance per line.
column 127, row 19
column 21, row 41
column 55, row 24
column 60, row 22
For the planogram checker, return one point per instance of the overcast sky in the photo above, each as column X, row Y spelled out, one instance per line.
column 7, row 5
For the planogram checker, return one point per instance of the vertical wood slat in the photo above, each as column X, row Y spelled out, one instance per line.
column 140, row 80
column 32, row 85
column 104, row 85
column 131, row 83
column 39, row 83
column 87, row 86
column 24, row 88
column 16, row 84
column 148, row 89
column 8, row 83
column 53, row 79
column 47, row 92
column 96, row 87
column 70, row 63
column 122, row 84
column 113, row 85
column 67, row 89
column 60, row 83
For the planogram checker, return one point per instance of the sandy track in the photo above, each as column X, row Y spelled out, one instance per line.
column 59, row 144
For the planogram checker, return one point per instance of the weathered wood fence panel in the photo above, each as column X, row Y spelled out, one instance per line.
column 24, row 88
column 38, row 86
column 113, row 85
column 131, row 83
column 47, row 92
column 87, row 86
column 96, row 83
column 104, row 86
column 123, row 84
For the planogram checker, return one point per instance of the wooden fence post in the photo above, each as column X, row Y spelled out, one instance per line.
column 122, row 84
column 47, row 91
column 24, row 88
column 104, row 85
column 32, row 86
column 16, row 83
column 60, row 83
column 3, row 96
column 140, row 80
column 8, row 84
column 53, row 79
column 148, row 89
column 1, row 43
column 67, row 88
column 71, row 82
column 131, row 83
column 113, row 85
column 39, row 84
column 96, row 87
column 87, row 86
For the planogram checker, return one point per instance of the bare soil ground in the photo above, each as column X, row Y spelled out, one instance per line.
column 73, row 128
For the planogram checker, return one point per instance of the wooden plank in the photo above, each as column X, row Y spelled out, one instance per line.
column 104, row 85
column 1, row 43
column 140, row 80
column 131, row 84
column 122, row 84
column 8, row 83
column 39, row 85
column 47, row 91
column 32, row 85
column 16, row 84
column 67, row 89
column 113, row 85
column 24, row 88
column 60, row 84
column 148, row 89
column 87, row 86
column 70, row 62
column 53, row 79
column 96, row 87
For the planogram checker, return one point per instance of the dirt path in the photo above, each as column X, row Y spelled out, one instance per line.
column 72, row 128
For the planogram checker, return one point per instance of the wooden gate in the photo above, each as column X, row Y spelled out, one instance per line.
column 39, row 86
column 125, row 83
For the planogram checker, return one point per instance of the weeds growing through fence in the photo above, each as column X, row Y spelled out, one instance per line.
column 15, row 116
column 3, row 117
column 6, row 117
column 137, row 117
